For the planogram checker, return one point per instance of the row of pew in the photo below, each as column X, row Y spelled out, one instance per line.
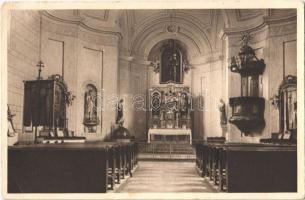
column 122, row 160
column 248, row 167
column 210, row 160
column 91, row 167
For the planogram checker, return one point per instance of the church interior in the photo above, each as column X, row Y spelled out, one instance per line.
column 165, row 100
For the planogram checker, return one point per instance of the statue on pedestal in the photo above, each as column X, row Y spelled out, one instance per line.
column 91, row 119
column 119, row 118
column 184, row 104
column 121, row 133
column 11, row 130
column 223, row 116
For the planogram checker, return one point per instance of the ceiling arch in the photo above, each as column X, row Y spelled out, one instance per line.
column 157, row 49
column 167, row 27
column 190, row 46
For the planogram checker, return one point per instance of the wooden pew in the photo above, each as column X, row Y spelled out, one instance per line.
column 249, row 167
column 69, row 168
column 125, row 159
column 54, row 168
column 222, row 169
column 198, row 150
column 201, row 158
column 261, row 167
column 112, row 158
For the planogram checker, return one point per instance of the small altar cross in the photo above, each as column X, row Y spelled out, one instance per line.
column 40, row 64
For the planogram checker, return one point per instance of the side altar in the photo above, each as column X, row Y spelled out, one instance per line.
column 170, row 112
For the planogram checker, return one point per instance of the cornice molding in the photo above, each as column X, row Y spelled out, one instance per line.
column 82, row 24
column 266, row 21
column 278, row 21
column 194, row 61
column 87, row 36
column 278, row 30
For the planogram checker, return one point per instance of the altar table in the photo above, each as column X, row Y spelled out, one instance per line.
column 167, row 131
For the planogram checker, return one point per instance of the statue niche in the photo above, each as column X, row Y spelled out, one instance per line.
column 90, row 109
column 288, row 104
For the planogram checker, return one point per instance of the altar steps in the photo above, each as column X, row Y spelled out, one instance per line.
column 166, row 151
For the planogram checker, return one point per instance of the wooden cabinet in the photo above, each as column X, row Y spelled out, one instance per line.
column 44, row 103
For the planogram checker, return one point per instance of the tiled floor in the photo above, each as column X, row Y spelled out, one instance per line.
column 166, row 176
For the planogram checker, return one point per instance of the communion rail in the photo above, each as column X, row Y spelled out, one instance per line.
column 166, row 150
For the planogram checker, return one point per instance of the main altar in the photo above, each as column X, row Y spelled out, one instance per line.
column 170, row 113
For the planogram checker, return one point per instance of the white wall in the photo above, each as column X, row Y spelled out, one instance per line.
column 207, row 92
column 68, row 50
column 133, row 86
column 23, row 56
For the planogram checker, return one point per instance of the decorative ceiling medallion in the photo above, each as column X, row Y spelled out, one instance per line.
column 172, row 28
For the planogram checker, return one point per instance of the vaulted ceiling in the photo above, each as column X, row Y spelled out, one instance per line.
column 197, row 29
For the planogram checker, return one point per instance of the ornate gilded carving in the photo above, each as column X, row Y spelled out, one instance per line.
column 170, row 107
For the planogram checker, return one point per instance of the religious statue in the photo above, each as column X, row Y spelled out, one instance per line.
column 119, row 117
column 89, row 104
column 156, row 104
column 90, row 113
column 223, row 116
column 11, row 130
column 121, row 133
column 184, row 104
column 171, row 63
column 292, row 111
column 222, row 110
column 294, row 116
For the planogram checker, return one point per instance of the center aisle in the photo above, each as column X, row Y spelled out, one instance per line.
column 166, row 176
